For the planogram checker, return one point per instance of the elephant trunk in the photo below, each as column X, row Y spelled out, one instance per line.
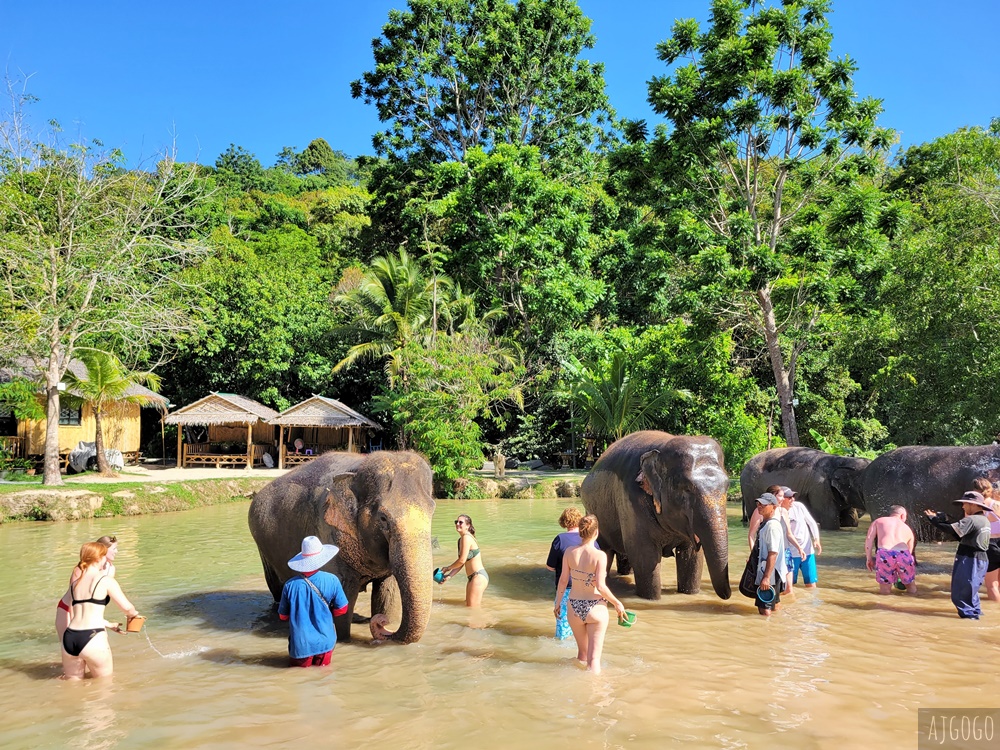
column 411, row 565
column 712, row 529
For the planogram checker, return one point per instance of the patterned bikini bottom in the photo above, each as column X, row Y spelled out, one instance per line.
column 581, row 607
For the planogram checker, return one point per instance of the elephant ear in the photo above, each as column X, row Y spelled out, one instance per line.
column 341, row 505
column 841, row 484
column 643, row 479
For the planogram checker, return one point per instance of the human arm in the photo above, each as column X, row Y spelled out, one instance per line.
column 555, row 554
column 561, row 589
column 813, row 531
column 940, row 521
column 786, row 526
column 870, row 546
column 755, row 521
column 119, row 598
column 464, row 547
column 602, row 585
column 765, row 581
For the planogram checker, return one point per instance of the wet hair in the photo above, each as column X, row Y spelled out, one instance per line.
column 983, row 486
column 897, row 510
column 570, row 518
column 775, row 489
column 90, row 553
column 107, row 541
column 468, row 522
column 588, row 527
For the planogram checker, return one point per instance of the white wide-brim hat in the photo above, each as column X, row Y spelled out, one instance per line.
column 314, row 555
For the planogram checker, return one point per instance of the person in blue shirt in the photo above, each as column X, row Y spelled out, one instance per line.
column 309, row 602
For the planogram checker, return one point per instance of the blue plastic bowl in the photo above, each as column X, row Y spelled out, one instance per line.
column 438, row 575
column 766, row 595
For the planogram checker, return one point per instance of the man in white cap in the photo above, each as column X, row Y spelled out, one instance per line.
column 309, row 602
column 969, row 570
column 806, row 532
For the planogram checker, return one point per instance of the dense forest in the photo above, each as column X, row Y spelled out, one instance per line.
column 516, row 268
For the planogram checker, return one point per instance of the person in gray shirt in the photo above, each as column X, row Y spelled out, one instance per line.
column 969, row 570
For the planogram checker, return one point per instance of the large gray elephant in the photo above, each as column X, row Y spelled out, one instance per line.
column 923, row 476
column 830, row 485
column 680, row 512
column 377, row 508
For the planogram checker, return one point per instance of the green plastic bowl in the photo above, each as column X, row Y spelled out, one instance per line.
column 627, row 620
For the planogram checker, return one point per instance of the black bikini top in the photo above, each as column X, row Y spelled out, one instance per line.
column 103, row 602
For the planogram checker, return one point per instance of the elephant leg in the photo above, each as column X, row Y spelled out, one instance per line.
column 849, row 517
column 386, row 599
column 689, row 565
column 351, row 586
column 624, row 566
column 271, row 579
column 646, row 566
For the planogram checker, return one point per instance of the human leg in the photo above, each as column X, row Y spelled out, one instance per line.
column 809, row 573
column 597, row 626
column 475, row 588
column 579, row 629
column 97, row 655
column 965, row 599
column 885, row 570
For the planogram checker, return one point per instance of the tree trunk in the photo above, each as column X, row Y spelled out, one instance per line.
column 52, row 469
column 781, row 377
column 102, row 460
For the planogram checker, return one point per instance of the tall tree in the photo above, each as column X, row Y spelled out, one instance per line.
column 88, row 250
column 768, row 159
column 453, row 75
column 106, row 384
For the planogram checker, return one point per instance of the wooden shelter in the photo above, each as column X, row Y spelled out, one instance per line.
column 322, row 424
column 231, row 421
column 121, row 421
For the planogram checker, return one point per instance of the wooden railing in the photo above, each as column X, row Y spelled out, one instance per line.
column 200, row 454
column 12, row 445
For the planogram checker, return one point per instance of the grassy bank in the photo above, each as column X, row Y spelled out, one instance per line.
column 73, row 501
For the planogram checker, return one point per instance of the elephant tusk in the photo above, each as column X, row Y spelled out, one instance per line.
column 377, row 626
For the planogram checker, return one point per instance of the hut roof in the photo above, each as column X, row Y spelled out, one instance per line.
column 221, row 408
column 320, row 411
column 23, row 367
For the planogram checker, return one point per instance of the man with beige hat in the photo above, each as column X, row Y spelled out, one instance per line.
column 969, row 570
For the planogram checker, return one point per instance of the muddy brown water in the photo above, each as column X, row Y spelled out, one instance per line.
column 840, row 668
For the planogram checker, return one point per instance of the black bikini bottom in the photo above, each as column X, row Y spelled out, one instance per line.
column 74, row 641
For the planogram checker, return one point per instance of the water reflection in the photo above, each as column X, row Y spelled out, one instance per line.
column 209, row 669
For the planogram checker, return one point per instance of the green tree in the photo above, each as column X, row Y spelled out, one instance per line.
column 106, row 385
column 453, row 75
column 89, row 251
column 768, row 162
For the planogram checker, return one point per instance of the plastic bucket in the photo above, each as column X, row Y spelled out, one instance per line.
column 627, row 620
column 438, row 575
column 135, row 624
column 766, row 595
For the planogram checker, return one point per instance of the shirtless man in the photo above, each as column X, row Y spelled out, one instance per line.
column 893, row 553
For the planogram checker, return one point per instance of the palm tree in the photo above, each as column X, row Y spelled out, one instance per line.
column 105, row 385
column 611, row 403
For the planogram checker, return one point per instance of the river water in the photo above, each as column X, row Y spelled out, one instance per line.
column 839, row 668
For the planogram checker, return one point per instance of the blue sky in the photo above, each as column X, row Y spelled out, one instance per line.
column 265, row 75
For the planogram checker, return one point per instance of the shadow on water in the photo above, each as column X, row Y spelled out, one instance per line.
column 228, row 656
column 33, row 670
column 238, row 611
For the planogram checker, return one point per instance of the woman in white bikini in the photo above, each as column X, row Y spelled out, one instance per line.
column 468, row 557
column 584, row 570
column 85, row 640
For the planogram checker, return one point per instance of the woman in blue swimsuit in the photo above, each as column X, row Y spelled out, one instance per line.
column 468, row 556
column 584, row 570
column 85, row 640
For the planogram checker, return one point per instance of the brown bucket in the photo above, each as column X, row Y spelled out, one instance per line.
column 135, row 624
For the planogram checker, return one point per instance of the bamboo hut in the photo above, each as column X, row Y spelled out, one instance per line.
column 231, row 422
column 322, row 424
column 121, row 421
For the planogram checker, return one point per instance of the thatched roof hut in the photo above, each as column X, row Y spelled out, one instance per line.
column 225, row 415
column 321, row 424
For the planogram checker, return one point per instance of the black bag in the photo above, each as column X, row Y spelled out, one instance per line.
column 748, row 582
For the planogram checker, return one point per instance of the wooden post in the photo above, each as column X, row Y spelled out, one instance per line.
column 281, row 446
column 350, row 439
column 180, row 447
column 249, row 445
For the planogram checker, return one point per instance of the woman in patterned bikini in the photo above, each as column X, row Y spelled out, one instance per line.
column 584, row 569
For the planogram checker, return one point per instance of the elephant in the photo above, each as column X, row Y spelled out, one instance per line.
column 677, row 508
column 919, row 477
column 828, row 484
column 377, row 508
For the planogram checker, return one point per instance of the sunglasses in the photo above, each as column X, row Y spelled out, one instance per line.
column 459, row 522
column 113, row 539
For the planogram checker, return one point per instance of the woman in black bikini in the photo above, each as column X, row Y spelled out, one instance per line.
column 85, row 641
column 468, row 556
column 63, row 611
column 584, row 569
